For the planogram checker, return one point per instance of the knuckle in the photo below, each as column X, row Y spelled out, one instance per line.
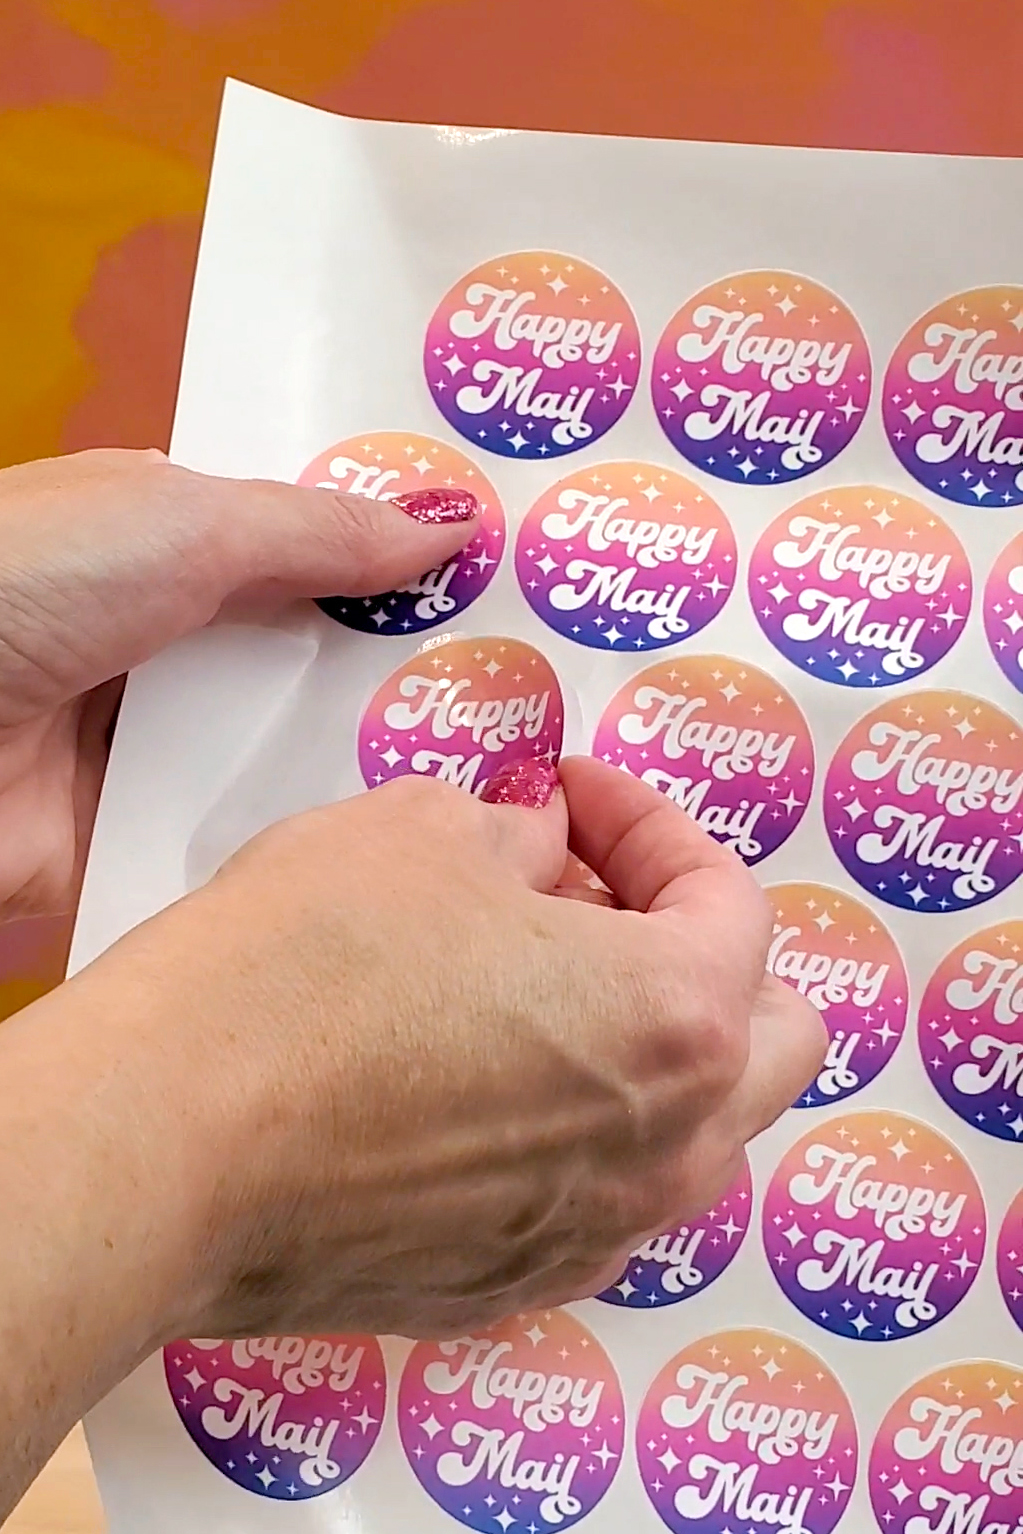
column 356, row 532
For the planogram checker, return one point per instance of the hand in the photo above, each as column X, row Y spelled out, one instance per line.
column 109, row 556
column 407, row 1091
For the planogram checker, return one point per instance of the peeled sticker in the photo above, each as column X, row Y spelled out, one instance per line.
column 720, row 738
column 922, row 802
column 626, row 556
column 762, row 378
column 518, row 1427
column 459, row 711
column 861, row 587
column 533, row 355
column 874, row 1226
column 747, row 1429
column 833, row 950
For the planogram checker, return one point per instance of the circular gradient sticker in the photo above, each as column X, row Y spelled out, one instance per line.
column 1003, row 611
column 953, row 398
column 922, row 802
column 284, row 1417
column 971, row 1031
column 834, row 951
column 533, row 355
column 762, row 378
column 460, row 710
column 722, row 740
column 688, row 1259
column 874, row 1226
column 1010, row 1259
column 384, row 464
column 747, row 1430
column 948, row 1457
column 521, row 1427
column 861, row 587
column 626, row 556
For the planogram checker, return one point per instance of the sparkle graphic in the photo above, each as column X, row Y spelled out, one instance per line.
column 1010, row 1258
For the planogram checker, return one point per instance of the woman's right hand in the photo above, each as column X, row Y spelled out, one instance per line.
column 401, row 1088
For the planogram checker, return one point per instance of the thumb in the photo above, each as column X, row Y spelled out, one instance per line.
column 527, row 819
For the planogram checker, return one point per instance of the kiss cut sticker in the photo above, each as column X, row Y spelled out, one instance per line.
column 381, row 465
column 461, row 709
column 533, row 355
column 762, row 378
column 861, row 587
column 747, row 1430
column 971, row 1031
column 722, row 740
column 1003, row 611
column 626, row 556
column 518, row 1427
column 948, row 1457
column 922, row 802
column 874, row 1226
column 285, row 1417
column 833, row 950
column 1010, row 1259
column 953, row 398
column 685, row 1261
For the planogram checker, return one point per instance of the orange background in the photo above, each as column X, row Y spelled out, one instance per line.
column 108, row 110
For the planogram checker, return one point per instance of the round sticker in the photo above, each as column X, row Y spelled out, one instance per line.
column 971, row 1030
column 380, row 466
column 762, row 378
column 874, row 1226
column 626, row 556
column 861, row 587
column 722, row 740
column 1010, row 1260
column 747, row 1430
column 284, row 1417
column 922, row 802
column 953, row 398
column 533, row 355
column 520, row 1427
column 834, row 951
column 1003, row 611
column 460, row 710
column 688, row 1259
column 948, row 1457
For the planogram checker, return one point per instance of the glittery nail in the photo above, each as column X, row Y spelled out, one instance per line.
column 438, row 506
column 531, row 785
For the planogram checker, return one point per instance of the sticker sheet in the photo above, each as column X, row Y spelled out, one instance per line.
column 747, row 429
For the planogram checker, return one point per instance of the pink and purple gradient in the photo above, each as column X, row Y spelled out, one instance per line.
column 1010, row 1259
column 284, row 1417
column 533, row 355
column 1003, row 611
column 861, row 587
column 833, row 950
column 874, row 1226
column 922, row 802
column 747, row 1429
column 953, row 398
column 971, row 1031
column 461, row 709
column 947, row 1456
column 382, row 465
column 719, row 738
column 762, row 378
column 626, row 556
column 518, row 1427
column 686, row 1260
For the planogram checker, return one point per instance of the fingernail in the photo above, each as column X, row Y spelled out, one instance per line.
column 531, row 785
column 438, row 506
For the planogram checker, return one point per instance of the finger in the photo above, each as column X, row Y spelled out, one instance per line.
column 527, row 821
column 788, row 1044
column 656, row 859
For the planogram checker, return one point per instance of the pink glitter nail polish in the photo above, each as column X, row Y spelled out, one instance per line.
column 530, row 785
column 438, row 506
